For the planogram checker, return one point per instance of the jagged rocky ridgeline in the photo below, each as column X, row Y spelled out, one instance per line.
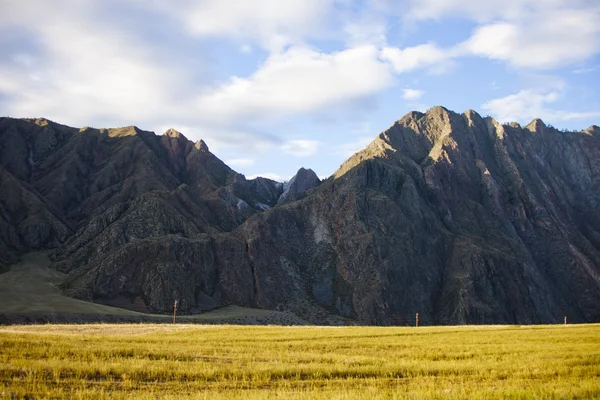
column 453, row 216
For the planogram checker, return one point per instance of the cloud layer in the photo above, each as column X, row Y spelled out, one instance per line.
column 298, row 80
column 529, row 104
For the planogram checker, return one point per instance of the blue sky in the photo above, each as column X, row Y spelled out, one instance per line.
column 275, row 85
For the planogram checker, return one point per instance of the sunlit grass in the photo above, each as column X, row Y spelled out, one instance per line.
column 166, row 361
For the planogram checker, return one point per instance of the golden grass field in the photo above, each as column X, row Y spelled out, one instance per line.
column 243, row 362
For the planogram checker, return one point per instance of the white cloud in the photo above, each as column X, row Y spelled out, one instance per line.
column 552, row 40
column 240, row 162
column 24, row 59
column 525, row 105
column 85, row 68
column 271, row 23
column 301, row 148
column 494, row 41
column 529, row 104
column 411, row 58
column 366, row 28
column 524, row 33
column 541, row 35
column 298, row 80
column 481, row 11
column 245, row 49
column 412, row 94
column 569, row 115
column 585, row 70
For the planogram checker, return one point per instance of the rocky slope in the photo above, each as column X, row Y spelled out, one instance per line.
column 453, row 216
column 111, row 186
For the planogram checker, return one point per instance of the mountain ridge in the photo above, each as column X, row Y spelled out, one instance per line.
column 454, row 216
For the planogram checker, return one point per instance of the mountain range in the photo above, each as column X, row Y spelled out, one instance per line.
column 453, row 216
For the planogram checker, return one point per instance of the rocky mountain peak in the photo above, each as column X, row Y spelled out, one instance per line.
column 439, row 112
column 536, row 126
column 418, row 136
column 172, row 133
column 42, row 121
column 201, row 146
column 410, row 117
column 593, row 130
column 130, row 130
column 473, row 119
column 304, row 180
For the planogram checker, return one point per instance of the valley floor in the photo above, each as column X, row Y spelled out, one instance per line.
column 223, row 361
column 29, row 293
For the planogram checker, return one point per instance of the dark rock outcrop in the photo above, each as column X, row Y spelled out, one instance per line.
column 303, row 181
column 453, row 216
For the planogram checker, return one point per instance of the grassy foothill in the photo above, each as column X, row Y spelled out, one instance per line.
column 245, row 362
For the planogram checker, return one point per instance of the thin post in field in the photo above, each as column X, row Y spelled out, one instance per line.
column 174, row 311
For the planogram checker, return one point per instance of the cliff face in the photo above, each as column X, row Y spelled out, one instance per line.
column 94, row 193
column 453, row 216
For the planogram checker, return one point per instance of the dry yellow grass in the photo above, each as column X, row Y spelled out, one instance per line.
column 175, row 361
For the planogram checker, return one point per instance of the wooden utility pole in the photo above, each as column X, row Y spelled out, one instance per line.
column 417, row 320
column 175, row 311
column 565, row 319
